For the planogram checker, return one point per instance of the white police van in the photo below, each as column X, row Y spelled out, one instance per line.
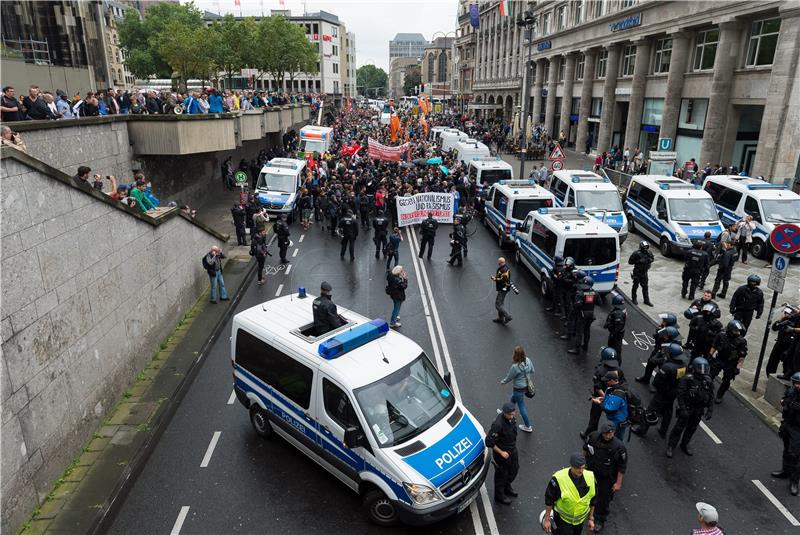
column 449, row 138
column 278, row 185
column 770, row 204
column 365, row 403
column 489, row 170
column 509, row 201
column 470, row 149
column 671, row 212
column 568, row 232
column 595, row 193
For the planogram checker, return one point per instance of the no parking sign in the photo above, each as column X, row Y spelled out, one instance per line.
column 785, row 238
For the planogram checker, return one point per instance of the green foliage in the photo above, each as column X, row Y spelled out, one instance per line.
column 300, row 55
column 371, row 81
column 179, row 49
column 230, row 44
column 413, row 78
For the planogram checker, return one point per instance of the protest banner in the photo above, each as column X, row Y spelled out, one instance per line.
column 414, row 209
column 379, row 151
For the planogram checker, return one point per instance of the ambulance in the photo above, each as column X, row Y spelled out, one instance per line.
column 316, row 139
column 365, row 403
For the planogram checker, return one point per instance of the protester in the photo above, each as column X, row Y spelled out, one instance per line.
column 520, row 376
column 396, row 284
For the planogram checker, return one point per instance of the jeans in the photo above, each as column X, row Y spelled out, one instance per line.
column 499, row 305
column 518, row 397
column 395, row 311
column 395, row 255
column 217, row 280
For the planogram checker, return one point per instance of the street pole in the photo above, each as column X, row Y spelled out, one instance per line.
column 524, row 108
column 764, row 340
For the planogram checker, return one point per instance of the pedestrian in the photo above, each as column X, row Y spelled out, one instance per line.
column 520, row 375
column 238, row 214
column 458, row 240
column 695, row 264
column 744, row 236
column 789, row 432
column 570, row 499
column 349, row 229
column 695, row 397
column 428, row 234
column 614, row 401
column 615, row 324
column 381, row 227
column 10, row 108
column 282, row 233
column 641, row 260
column 502, row 285
column 396, row 284
column 747, row 299
column 502, row 440
column 304, row 204
column 326, row 315
column 727, row 259
column 212, row 263
column 708, row 517
column 258, row 249
column 392, row 249
column 607, row 458
column 727, row 355
column 666, row 385
column 608, row 362
column 585, row 299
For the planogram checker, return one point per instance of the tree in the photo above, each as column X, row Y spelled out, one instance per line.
column 270, row 47
column 413, row 78
column 179, row 50
column 300, row 54
column 371, row 80
column 230, row 45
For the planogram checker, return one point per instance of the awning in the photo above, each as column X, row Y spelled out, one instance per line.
column 484, row 106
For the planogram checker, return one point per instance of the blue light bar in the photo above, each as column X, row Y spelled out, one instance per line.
column 349, row 340
column 766, row 186
column 542, row 210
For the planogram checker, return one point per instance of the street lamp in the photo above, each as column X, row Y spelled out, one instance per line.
column 445, row 35
column 527, row 21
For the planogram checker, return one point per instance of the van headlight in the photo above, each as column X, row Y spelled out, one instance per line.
column 683, row 239
column 421, row 494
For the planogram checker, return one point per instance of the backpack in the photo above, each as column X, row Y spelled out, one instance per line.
column 635, row 408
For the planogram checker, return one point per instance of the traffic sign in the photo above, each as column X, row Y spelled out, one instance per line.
column 240, row 177
column 665, row 143
column 785, row 238
column 557, row 153
column 557, row 165
column 777, row 276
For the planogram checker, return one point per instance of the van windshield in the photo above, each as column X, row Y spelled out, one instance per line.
column 405, row 403
column 491, row 176
column 591, row 251
column 313, row 145
column 781, row 211
column 598, row 199
column 692, row 210
column 523, row 206
column 275, row 182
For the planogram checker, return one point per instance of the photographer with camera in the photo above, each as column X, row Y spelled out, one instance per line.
column 502, row 284
column 786, row 344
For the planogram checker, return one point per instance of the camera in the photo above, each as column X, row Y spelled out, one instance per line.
column 513, row 288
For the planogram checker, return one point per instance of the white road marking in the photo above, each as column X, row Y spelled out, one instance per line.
column 710, row 433
column 414, row 260
column 778, row 505
column 487, row 508
column 302, row 237
column 295, row 253
column 210, row 450
column 278, row 291
column 176, row 528
column 288, row 269
column 476, row 517
column 232, row 398
column 624, row 342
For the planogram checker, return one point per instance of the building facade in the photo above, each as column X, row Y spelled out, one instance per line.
column 464, row 56
column 350, row 83
column 718, row 79
column 398, row 69
column 407, row 45
column 437, row 59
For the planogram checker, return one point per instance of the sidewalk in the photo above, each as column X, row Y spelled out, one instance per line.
column 665, row 283
column 94, row 483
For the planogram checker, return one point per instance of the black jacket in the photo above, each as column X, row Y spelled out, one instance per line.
column 746, row 299
column 397, row 286
column 326, row 318
column 725, row 265
column 428, row 227
column 696, row 261
column 641, row 261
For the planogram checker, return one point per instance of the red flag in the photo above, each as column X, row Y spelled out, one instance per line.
column 349, row 106
column 237, row 2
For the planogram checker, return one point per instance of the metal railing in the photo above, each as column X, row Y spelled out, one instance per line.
column 37, row 52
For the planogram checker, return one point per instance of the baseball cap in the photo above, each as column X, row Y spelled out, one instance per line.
column 577, row 460
column 509, row 407
column 610, row 375
column 708, row 512
column 326, row 286
column 608, row 427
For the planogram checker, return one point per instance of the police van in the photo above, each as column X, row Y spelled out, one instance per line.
column 508, row 202
column 671, row 212
column 488, row 170
column 278, row 184
column 365, row 403
column 449, row 138
column 770, row 204
column 470, row 149
column 595, row 193
column 568, row 232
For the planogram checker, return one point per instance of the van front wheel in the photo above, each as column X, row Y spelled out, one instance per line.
column 260, row 421
column 664, row 246
column 380, row 509
column 758, row 249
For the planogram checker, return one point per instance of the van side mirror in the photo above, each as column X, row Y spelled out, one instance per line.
column 719, row 214
column 662, row 214
column 448, row 379
column 354, row 438
column 520, row 226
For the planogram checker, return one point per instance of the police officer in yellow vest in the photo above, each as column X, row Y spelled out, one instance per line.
column 570, row 496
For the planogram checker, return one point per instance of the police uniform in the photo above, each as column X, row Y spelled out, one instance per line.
column 381, row 226
column 782, row 350
column 459, row 240
column 789, row 432
column 239, row 214
column 707, row 245
column 729, row 349
column 568, row 283
column 666, row 384
column 746, row 300
column 557, row 276
column 583, row 317
column 615, row 324
column 695, row 263
column 599, row 386
column 570, row 513
column 326, row 317
column 608, row 460
column 657, row 355
column 503, row 434
column 428, row 233
column 703, row 330
column 281, row 230
column 724, row 271
column 695, row 396
column 641, row 260
column 349, row 229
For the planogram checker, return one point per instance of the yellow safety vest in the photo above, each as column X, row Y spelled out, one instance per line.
column 571, row 507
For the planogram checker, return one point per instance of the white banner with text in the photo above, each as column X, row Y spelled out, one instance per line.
column 414, row 209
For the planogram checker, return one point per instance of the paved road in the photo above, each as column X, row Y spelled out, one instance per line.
column 254, row 486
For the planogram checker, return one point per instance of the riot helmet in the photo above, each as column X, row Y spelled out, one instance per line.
column 674, row 351
column 617, row 301
column 753, row 281
column 588, row 281
column 644, row 245
column 796, row 378
column 735, row 328
column 569, row 262
column 701, row 366
column 609, row 353
column 579, row 274
column 668, row 319
column 668, row 334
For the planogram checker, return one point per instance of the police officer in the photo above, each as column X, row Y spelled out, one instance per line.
column 703, row 330
column 666, row 333
column 666, row 384
column 238, row 212
column 727, row 355
column 608, row 363
column 502, row 285
column 788, row 327
column 363, row 203
column 556, row 276
column 748, row 298
column 607, row 458
column 326, row 317
column 695, row 264
column 281, row 230
column 789, row 432
column 641, row 260
column 428, row 232
column 502, row 440
column 349, row 228
column 709, row 246
column 615, row 324
column 724, row 270
column 583, row 313
column 570, row 499
column 695, row 396
column 458, row 239
column 698, row 304
column 567, row 287
column 381, row 226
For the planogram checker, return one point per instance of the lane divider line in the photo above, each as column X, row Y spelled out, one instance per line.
column 302, row 237
column 778, row 505
column 278, row 291
column 295, row 253
column 288, row 269
column 232, row 398
column 414, row 261
column 210, row 450
column 176, row 528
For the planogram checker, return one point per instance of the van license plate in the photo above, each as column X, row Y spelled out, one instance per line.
column 466, row 504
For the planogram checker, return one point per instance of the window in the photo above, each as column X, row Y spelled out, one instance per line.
column 661, row 205
column 751, row 208
column 430, row 68
column 579, row 67
column 335, row 68
column 693, row 114
column 561, row 17
column 338, row 406
column 625, row 4
column 644, row 196
column 652, row 110
column 706, row 50
column 335, row 50
column 544, row 239
column 523, row 206
column 628, row 60
column 591, row 251
column 598, row 8
column 763, row 41
column 500, row 202
column 694, row 209
column 575, row 107
column 280, row 371
column 602, row 60
column 335, row 87
column 335, row 31
column 545, row 23
column 577, row 12
column 663, row 55
column 442, row 67
column 728, row 198
column 597, row 107
column 570, row 199
column 315, row 27
column 546, row 73
column 562, row 67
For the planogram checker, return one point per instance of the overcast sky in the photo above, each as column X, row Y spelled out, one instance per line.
column 374, row 22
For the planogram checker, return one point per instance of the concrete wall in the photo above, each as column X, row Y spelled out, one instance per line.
column 22, row 75
column 89, row 290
